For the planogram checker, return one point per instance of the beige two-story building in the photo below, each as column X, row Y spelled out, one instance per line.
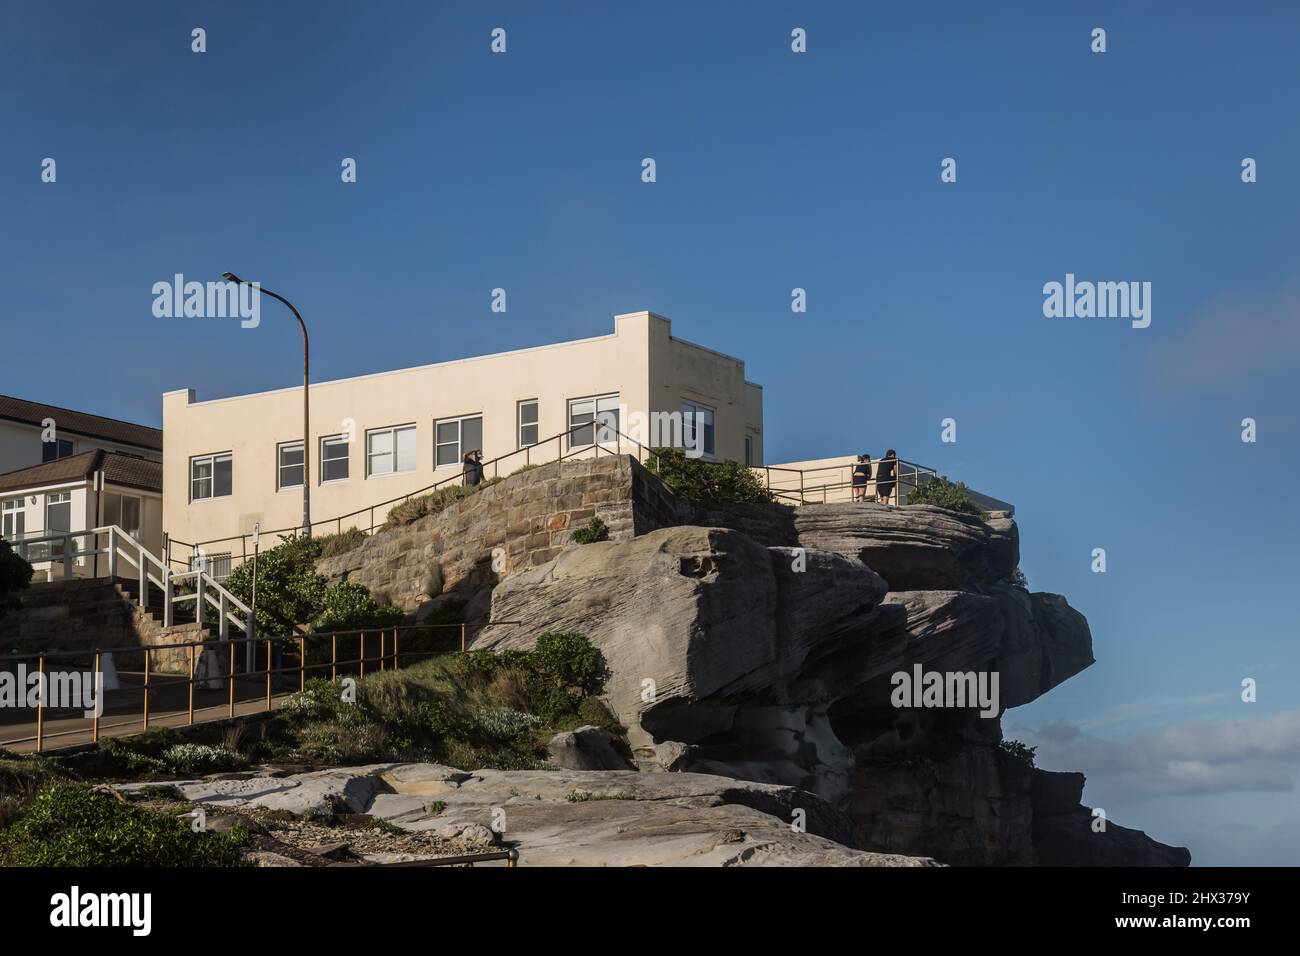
column 235, row 462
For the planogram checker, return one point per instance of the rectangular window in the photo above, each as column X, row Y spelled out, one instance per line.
column 58, row 517
column 211, row 476
column 123, row 511
column 528, row 423
column 697, row 427
column 216, row 565
column 390, row 451
column 288, row 471
column 457, row 437
column 601, row 409
column 14, row 520
column 54, row 450
column 334, row 459
column 749, row 450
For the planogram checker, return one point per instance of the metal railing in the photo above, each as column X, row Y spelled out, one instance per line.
column 833, row 483
column 386, row 653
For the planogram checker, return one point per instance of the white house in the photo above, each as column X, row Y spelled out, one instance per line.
column 32, row 433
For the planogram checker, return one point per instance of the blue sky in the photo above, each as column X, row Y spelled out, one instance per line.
column 775, row 171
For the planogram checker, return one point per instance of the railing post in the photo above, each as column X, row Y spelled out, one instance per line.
column 112, row 551
column 191, row 685
column 99, row 701
column 302, row 664
column 268, row 673
column 198, row 600
column 462, row 638
column 67, row 556
column 167, row 596
column 40, row 704
column 334, row 657
column 223, row 621
column 146, row 686
column 143, row 567
column 361, row 658
column 230, row 647
column 396, row 654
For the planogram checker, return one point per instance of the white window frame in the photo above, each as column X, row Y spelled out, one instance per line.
column 346, row 458
column 392, row 431
column 57, row 498
column 461, row 450
column 211, row 460
column 595, row 424
column 535, row 424
column 690, row 418
column 280, row 466
column 13, row 523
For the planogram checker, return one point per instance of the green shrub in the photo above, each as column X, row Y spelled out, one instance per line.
column 1017, row 579
column 942, row 493
column 349, row 607
column 702, row 480
column 71, row 825
column 15, row 576
column 332, row 545
column 1017, row 752
column 194, row 760
column 523, row 468
column 568, row 660
column 593, row 530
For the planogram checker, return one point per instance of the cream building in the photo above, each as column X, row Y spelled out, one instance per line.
column 234, row 462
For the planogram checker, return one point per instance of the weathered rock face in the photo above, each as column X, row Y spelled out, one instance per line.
column 573, row 818
column 587, row 748
column 776, row 664
column 915, row 547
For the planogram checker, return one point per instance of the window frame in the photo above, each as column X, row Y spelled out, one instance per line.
column 711, row 429
column 346, row 440
column 393, row 431
column 212, row 459
column 460, row 443
column 122, row 497
column 594, row 424
column 57, row 445
column 535, row 424
column 280, row 466
column 13, row 511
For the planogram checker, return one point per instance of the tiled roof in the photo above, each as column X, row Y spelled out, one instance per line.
column 80, row 423
column 118, row 470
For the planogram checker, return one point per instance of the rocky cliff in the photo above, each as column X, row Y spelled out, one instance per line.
column 764, row 649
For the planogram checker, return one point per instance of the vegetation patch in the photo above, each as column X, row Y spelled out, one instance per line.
column 332, row 545
column 594, row 530
column 700, row 480
column 942, row 493
column 435, row 502
column 73, row 825
column 15, row 576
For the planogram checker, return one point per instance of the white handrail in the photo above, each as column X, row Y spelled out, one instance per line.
column 140, row 558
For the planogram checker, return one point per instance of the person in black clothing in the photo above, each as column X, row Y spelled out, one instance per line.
column 885, row 476
column 861, row 475
column 473, row 467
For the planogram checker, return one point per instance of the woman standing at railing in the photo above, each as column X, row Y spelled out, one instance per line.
column 885, row 477
column 861, row 476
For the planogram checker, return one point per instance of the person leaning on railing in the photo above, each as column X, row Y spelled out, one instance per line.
column 473, row 462
column 885, row 476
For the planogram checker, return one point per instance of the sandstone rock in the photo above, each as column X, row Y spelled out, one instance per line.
column 587, row 748
column 672, row 755
column 1068, row 839
column 914, row 547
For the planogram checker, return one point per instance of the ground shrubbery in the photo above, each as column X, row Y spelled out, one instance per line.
column 470, row 710
column 332, row 545
column 702, row 480
column 69, row 824
column 15, row 575
column 942, row 493
column 434, row 502
column 291, row 594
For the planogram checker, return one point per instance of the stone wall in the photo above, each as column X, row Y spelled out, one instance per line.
column 525, row 521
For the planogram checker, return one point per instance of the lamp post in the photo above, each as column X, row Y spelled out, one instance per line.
column 306, row 418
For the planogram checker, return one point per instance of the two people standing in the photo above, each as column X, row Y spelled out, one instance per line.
column 885, row 477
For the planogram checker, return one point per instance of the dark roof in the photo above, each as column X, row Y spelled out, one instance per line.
column 118, row 470
column 81, row 423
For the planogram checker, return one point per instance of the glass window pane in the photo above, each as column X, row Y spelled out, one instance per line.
column 448, row 432
column 405, row 449
column 471, row 435
column 528, row 413
column 527, row 435
column 202, row 468
column 291, row 454
column 222, row 476
column 130, row 523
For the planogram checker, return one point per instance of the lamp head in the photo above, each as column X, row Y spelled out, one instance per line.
column 231, row 277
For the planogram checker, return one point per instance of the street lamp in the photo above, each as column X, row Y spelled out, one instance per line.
column 306, row 419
